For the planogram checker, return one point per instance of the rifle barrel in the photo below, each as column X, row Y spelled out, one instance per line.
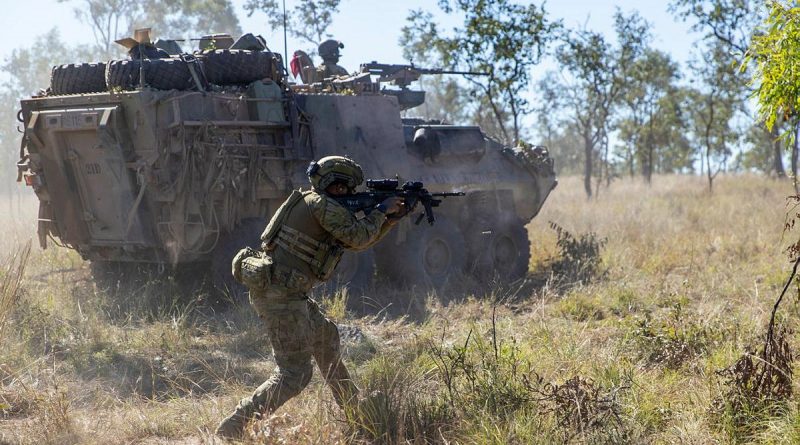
column 463, row 73
column 449, row 194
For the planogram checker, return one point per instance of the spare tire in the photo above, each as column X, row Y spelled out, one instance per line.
column 77, row 78
column 161, row 74
column 238, row 67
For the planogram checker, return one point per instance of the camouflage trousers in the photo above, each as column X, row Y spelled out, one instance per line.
column 298, row 331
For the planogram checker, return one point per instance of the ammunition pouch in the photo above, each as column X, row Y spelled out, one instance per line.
column 290, row 278
column 252, row 268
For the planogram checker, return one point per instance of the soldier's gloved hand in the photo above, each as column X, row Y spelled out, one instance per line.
column 394, row 206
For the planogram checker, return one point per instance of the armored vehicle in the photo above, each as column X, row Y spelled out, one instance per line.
column 180, row 161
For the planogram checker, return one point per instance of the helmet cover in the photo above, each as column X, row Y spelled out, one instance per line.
column 331, row 169
column 329, row 49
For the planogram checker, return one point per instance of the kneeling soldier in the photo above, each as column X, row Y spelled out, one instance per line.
column 302, row 245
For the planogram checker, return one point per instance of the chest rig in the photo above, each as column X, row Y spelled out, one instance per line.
column 322, row 254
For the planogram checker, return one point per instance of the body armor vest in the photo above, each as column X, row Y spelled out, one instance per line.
column 294, row 230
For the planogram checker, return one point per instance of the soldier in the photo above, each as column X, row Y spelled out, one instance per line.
column 302, row 245
column 329, row 51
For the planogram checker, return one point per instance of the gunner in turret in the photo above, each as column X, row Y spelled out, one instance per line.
column 329, row 51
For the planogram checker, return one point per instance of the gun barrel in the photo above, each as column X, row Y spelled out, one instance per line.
column 449, row 194
column 388, row 69
column 463, row 73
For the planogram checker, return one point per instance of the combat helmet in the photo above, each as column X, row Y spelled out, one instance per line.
column 329, row 49
column 332, row 169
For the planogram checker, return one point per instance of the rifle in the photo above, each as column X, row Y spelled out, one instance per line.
column 412, row 192
column 403, row 75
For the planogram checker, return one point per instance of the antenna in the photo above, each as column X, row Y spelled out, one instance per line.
column 285, row 44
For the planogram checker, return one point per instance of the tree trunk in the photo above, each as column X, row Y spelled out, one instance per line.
column 708, row 170
column 650, row 150
column 776, row 150
column 795, row 147
column 631, row 156
column 588, row 148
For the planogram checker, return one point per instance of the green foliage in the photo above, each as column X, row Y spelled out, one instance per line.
column 776, row 55
column 599, row 74
column 715, row 103
column 675, row 339
column 499, row 37
column 579, row 257
column 759, row 155
column 309, row 20
column 114, row 19
column 654, row 126
column 394, row 410
column 581, row 307
column 730, row 22
column 484, row 376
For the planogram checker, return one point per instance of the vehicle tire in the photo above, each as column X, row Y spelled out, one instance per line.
column 247, row 233
column 498, row 248
column 237, row 67
column 161, row 74
column 354, row 273
column 78, row 78
column 429, row 257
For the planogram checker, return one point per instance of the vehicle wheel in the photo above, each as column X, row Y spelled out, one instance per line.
column 354, row 273
column 161, row 74
column 247, row 233
column 430, row 255
column 236, row 67
column 499, row 249
column 77, row 78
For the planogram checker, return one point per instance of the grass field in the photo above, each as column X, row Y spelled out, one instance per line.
column 685, row 284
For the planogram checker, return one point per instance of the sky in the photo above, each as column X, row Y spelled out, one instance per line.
column 370, row 30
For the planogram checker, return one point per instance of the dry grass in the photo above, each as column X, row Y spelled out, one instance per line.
column 689, row 282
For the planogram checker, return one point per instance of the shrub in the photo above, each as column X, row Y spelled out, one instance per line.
column 579, row 257
column 674, row 339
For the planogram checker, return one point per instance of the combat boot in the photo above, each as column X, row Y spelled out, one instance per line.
column 233, row 426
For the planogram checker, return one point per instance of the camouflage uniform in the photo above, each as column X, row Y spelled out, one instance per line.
column 326, row 70
column 296, row 327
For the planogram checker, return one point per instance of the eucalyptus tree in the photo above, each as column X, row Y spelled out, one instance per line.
column 775, row 57
column 733, row 24
column 110, row 20
column 649, row 110
column 308, row 20
column 715, row 104
column 502, row 38
column 598, row 74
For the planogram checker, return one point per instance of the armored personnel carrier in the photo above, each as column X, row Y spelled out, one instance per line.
column 180, row 161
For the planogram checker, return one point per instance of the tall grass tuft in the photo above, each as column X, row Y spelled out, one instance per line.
column 13, row 270
column 396, row 409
